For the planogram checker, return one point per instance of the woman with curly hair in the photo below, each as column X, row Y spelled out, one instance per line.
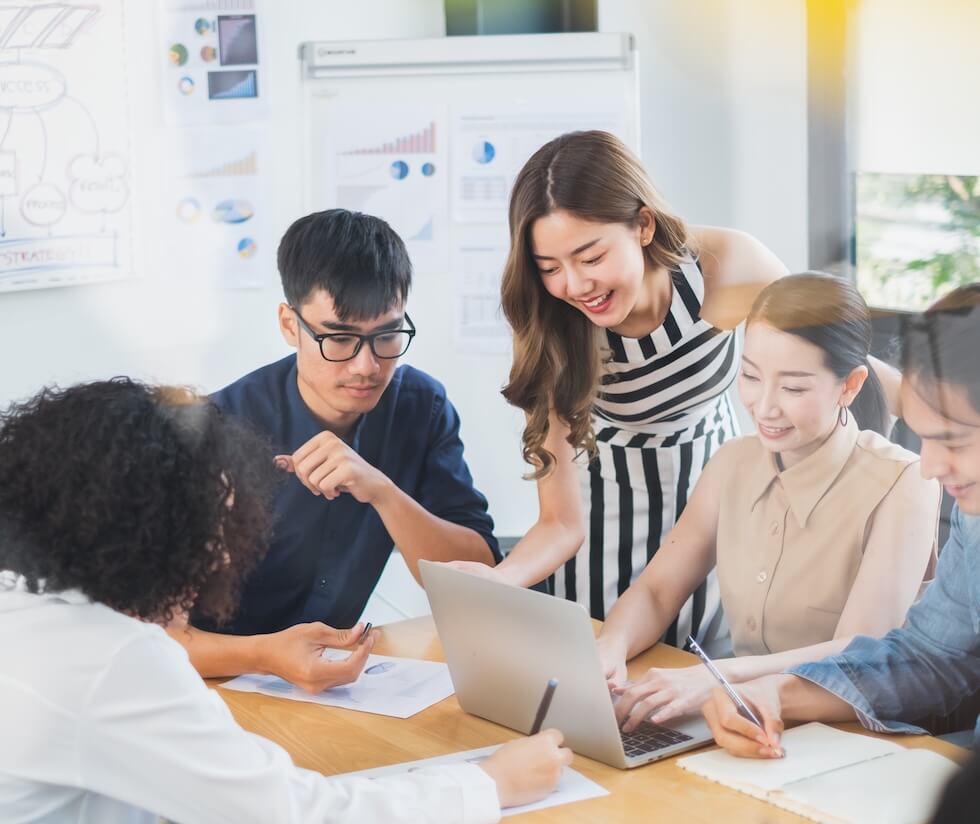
column 122, row 506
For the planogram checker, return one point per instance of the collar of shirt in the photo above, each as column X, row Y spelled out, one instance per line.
column 15, row 595
column 806, row 482
column 306, row 425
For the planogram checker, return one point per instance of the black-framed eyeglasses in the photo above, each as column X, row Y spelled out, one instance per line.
column 344, row 346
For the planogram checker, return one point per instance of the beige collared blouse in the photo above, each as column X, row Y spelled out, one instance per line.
column 790, row 542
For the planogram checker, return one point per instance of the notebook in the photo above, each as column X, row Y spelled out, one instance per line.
column 836, row 777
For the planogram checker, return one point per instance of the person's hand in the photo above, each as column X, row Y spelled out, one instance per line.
column 527, row 769
column 662, row 694
column 740, row 736
column 612, row 654
column 478, row 569
column 296, row 654
column 327, row 466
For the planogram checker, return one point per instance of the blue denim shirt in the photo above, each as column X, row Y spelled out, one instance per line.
column 929, row 665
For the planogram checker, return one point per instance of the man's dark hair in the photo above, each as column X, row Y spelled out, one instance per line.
column 359, row 260
column 147, row 499
column 942, row 344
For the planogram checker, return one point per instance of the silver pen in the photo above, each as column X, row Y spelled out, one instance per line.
column 743, row 709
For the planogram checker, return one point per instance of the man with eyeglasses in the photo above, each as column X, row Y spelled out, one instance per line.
column 372, row 452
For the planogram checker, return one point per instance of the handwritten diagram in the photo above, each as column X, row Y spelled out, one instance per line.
column 65, row 212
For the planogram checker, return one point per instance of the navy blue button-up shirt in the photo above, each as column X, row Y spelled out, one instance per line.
column 326, row 556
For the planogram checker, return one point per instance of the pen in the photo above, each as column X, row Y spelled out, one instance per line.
column 549, row 691
column 364, row 635
column 743, row 709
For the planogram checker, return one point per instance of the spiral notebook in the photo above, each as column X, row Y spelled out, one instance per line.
column 836, row 777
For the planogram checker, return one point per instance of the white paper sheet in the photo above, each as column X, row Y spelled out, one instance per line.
column 811, row 749
column 573, row 786
column 489, row 147
column 398, row 687
column 209, row 52
column 478, row 261
column 215, row 207
column 391, row 162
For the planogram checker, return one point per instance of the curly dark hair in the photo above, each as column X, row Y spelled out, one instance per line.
column 147, row 499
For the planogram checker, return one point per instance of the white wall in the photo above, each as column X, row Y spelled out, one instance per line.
column 914, row 72
column 723, row 87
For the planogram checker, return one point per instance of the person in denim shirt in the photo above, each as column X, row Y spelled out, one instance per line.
column 932, row 664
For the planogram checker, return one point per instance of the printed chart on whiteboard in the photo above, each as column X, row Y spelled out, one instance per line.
column 209, row 56
column 215, row 206
column 392, row 164
column 65, row 212
column 488, row 150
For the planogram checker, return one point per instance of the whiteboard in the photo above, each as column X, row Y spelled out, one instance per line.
column 429, row 135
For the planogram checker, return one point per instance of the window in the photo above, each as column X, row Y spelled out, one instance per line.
column 917, row 236
column 912, row 148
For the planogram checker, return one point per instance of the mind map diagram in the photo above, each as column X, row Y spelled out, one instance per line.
column 65, row 212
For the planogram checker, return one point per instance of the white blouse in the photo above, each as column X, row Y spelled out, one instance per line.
column 103, row 720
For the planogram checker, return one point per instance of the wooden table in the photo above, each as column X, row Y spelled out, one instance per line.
column 332, row 741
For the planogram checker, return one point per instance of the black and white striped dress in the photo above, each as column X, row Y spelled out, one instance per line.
column 662, row 411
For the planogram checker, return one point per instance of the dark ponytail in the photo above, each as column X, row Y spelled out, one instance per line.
column 870, row 407
column 830, row 313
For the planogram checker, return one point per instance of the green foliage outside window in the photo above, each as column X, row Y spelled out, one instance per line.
column 918, row 236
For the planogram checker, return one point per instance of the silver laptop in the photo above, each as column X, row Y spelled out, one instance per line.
column 503, row 644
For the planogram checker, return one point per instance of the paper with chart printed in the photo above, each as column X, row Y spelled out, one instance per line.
column 397, row 687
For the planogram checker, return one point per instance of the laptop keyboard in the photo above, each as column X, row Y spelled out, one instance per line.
column 651, row 737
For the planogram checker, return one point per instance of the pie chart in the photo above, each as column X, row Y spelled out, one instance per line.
column 232, row 211
column 483, row 151
column 246, row 248
column 178, row 54
column 399, row 170
column 188, row 210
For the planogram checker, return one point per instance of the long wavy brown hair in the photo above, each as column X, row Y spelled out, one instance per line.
column 558, row 352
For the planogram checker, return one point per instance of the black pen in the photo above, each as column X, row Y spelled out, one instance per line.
column 364, row 635
column 743, row 709
column 549, row 691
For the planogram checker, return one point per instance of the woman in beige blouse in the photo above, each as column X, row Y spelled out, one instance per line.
column 820, row 527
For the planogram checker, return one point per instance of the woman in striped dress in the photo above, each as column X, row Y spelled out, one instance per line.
column 624, row 347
